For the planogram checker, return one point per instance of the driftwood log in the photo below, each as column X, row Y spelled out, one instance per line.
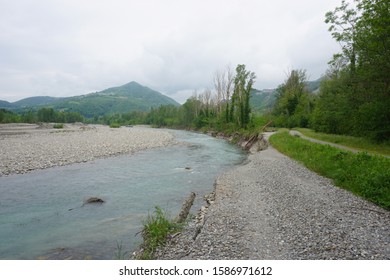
column 251, row 141
column 185, row 209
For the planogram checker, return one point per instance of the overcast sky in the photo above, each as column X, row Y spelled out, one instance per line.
column 74, row 47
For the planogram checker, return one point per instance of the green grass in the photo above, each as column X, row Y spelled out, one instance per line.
column 349, row 141
column 365, row 175
column 156, row 230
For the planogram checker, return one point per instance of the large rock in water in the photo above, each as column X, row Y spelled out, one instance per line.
column 93, row 200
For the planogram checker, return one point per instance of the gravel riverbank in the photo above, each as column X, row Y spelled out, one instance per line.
column 274, row 208
column 26, row 147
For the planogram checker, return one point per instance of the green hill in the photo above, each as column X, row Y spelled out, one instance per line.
column 36, row 101
column 122, row 99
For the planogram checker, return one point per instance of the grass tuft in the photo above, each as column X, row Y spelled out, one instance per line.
column 156, row 230
column 365, row 175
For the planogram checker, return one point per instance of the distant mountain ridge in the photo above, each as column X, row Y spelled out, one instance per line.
column 262, row 101
column 6, row 105
column 36, row 101
column 130, row 97
column 122, row 99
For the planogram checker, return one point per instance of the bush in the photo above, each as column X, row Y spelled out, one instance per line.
column 115, row 125
column 58, row 126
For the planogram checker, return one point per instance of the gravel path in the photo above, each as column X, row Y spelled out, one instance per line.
column 25, row 147
column 274, row 208
column 299, row 134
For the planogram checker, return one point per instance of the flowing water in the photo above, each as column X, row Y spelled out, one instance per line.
column 42, row 213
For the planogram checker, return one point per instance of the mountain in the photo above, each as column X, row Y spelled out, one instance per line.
column 122, row 99
column 262, row 101
column 6, row 105
column 314, row 86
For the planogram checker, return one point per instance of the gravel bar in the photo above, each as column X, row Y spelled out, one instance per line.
column 274, row 208
column 25, row 147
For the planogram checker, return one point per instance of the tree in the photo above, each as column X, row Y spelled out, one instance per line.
column 223, row 85
column 293, row 104
column 343, row 28
column 46, row 115
column 240, row 108
column 364, row 34
column 333, row 111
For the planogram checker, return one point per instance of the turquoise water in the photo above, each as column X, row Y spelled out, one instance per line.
column 41, row 213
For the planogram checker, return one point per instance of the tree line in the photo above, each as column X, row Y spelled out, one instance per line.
column 42, row 115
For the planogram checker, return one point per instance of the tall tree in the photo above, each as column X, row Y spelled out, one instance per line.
column 223, row 85
column 293, row 104
column 243, row 83
column 343, row 28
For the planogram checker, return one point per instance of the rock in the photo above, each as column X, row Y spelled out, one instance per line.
column 93, row 200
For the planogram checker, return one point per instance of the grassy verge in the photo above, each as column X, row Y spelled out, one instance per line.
column 362, row 174
column 349, row 141
column 156, row 230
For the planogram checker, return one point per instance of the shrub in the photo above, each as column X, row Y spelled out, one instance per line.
column 58, row 126
column 115, row 125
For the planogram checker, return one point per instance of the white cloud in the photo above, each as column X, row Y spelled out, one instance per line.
column 69, row 47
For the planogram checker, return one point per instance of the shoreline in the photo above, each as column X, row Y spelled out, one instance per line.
column 28, row 147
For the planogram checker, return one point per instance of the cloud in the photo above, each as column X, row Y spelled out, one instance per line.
column 63, row 48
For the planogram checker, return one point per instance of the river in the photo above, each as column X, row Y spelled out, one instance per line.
column 42, row 214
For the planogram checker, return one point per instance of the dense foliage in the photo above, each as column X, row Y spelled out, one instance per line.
column 355, row 97
column 294, row 103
